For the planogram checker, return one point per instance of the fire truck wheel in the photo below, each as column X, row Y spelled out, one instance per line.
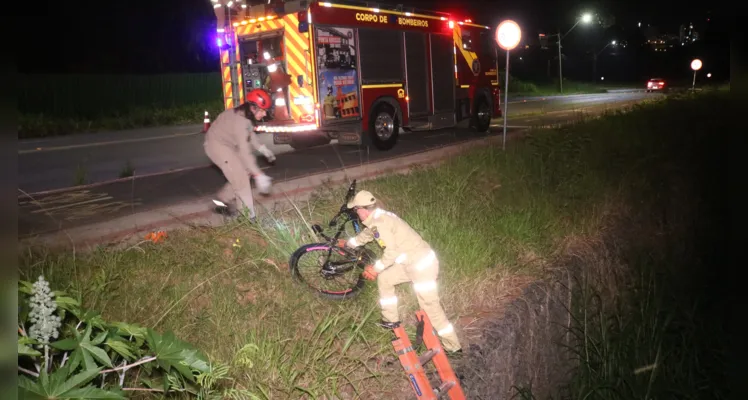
column 482, row 118
column 384, row 128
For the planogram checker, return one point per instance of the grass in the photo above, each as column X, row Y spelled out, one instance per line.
column 127, row 171
column 81, row 175
column 41, row 125
column 496, row 219
column 524, row 88
column 662, row 334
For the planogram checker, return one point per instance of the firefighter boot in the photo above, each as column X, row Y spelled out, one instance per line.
column 388, row 325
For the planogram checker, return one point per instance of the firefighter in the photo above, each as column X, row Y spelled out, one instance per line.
column 407, row 258
column 229, row 143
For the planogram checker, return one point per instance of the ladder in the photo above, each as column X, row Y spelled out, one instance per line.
column 413, row 363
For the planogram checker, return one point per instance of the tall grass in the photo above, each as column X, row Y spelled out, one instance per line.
column 662, row 334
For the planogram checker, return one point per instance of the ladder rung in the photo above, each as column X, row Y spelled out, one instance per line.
column 444, row 388
column 426, row 357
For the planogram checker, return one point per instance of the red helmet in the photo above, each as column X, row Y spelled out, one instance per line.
column 259, row 97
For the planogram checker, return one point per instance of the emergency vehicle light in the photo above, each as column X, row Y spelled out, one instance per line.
column 289, row 128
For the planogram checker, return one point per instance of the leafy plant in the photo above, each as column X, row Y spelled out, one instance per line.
column 92, row 358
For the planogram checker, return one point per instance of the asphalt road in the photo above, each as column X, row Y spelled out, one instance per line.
column 51, row 212
column 61, row 162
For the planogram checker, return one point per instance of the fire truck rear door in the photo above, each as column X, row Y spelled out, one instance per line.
column 416, row 63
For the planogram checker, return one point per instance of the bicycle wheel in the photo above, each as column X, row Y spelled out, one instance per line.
column 328, row 270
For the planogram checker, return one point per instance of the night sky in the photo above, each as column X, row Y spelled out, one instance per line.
column 152, row 36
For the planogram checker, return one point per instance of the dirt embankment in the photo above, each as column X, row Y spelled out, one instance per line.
column 526, row 349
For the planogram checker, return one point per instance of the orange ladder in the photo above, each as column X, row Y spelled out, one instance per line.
column 413, row 363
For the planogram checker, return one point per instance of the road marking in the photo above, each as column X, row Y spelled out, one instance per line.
column 76, row 205
column 101, row 183
column 41, row 210
column 97, row 144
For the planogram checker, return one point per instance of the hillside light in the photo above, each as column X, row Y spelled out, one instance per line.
column 508, row 36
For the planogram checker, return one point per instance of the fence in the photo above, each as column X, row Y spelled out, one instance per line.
column 97, row 95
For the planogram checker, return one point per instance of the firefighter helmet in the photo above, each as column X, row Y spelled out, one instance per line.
column 260, row 98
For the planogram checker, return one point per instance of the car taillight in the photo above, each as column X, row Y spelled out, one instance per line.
column 649, row 84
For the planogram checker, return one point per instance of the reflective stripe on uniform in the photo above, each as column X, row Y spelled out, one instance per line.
column 447, row 330
column 388, row 301
column 426, row 286
column 379, row 212
column 378, row 266
column 401, row 258
column 426, row 262
column 352, row 242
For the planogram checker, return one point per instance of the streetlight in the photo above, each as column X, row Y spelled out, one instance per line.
column 586, row 18
column 695, row 66
column 595, row 55
column 709, row 75
column 508, row 35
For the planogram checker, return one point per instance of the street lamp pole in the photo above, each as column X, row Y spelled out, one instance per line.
column 560, row 74
column 585, row 18
column 508, row 36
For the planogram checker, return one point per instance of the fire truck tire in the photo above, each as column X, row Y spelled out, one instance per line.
column 482, row 114
column 384, row 127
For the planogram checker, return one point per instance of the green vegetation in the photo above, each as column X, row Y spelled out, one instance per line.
column 62, row 348
column 519, row 87
column 72, row 103
column 496, row 219
column 127, row 171
column 42, row 125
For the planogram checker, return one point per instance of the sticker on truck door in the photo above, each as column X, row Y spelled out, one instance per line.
column 337, row 74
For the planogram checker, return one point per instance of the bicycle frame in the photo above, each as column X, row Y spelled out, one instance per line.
column 352, row 217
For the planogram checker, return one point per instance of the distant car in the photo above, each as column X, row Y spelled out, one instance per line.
column 656, row 84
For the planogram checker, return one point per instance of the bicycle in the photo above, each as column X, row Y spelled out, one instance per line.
column 333, row 262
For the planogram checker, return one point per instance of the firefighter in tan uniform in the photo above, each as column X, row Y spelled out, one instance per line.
column 407, row 258
column 229, row 143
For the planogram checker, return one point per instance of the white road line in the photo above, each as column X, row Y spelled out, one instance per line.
column 41, row 210
column 96, row 144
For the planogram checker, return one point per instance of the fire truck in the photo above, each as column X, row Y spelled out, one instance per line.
column 356, row 73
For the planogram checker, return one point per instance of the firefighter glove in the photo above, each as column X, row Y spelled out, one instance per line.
column 370, row 273
column 267, row 153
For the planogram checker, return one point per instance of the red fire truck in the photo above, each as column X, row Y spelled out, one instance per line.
column 356, row 73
